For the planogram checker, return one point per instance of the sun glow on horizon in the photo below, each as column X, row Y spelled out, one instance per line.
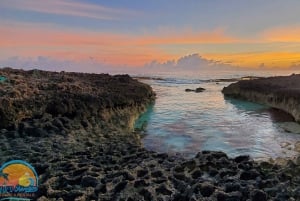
column 74, row 32
column 280, row 60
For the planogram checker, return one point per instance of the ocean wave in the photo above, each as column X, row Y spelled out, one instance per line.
column 192, row 81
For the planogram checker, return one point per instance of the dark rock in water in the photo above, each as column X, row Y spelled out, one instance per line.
column 189, row 90
column 258, row 195
column 197, row 90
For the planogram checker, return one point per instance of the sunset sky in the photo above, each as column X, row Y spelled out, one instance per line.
column 69, row 34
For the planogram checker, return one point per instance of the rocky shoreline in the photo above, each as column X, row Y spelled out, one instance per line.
column 282, row 92
column 76, row 130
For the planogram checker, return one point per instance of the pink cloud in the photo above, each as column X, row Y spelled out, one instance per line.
column 192, row 63
column 30, row 40
column 67, row 7
column 282, row 34
column 217, row 36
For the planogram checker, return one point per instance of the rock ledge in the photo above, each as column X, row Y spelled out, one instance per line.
column 282, row 92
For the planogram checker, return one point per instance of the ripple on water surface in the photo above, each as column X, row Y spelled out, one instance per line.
column 189, row 122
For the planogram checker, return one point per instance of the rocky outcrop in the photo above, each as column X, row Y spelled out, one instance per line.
column 279, row 92
column 75, row 130
column 77, row 96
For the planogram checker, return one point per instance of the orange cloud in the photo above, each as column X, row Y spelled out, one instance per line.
column 32, row 35
column 36, row 39
column 213, row 37
column 32, row 40
column 282, row 34
column 258, row 59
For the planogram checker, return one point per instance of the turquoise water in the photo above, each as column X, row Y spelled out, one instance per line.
column 188, row 122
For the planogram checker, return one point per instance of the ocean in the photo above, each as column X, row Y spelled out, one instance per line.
column 188, row 122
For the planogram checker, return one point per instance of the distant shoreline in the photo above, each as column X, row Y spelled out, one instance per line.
column 202, row 80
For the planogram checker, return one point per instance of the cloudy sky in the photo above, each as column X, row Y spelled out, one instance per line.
column 70, row 34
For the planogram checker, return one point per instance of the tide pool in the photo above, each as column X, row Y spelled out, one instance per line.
column 188, row 122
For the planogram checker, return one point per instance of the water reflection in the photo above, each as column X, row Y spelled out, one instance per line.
column 191, row 122
column 244, row 105
column 142, row 122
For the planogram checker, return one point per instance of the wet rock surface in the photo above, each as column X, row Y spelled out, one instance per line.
column 84, row 149
column 282, row 92
column 197, row 90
